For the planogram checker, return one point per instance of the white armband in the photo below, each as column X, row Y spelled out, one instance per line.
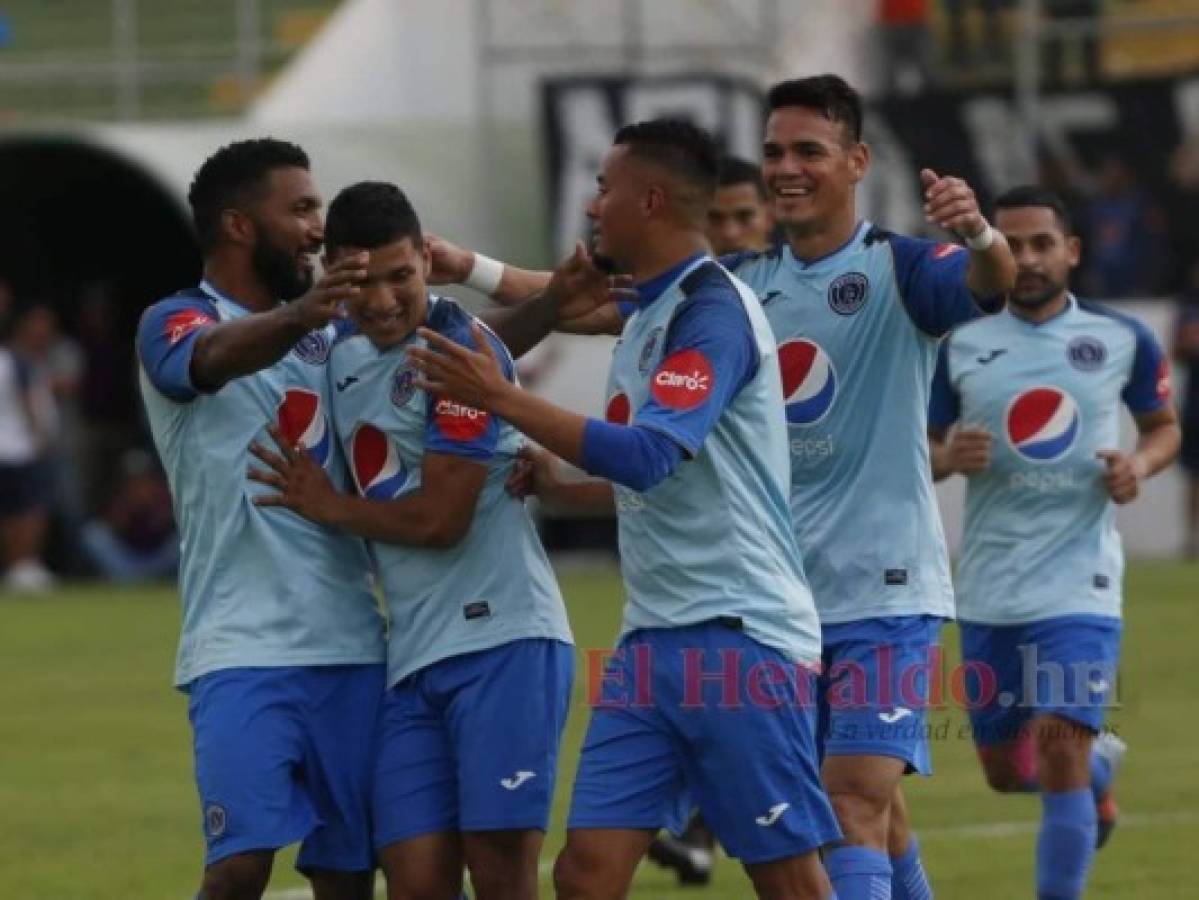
column 981, row 241
column 485, row 274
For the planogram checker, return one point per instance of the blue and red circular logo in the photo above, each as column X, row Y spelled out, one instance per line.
column 1042, row 423
column 301, row 418
column 379, row 474
column 809, row 381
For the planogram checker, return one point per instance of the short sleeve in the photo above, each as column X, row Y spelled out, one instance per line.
column 944, row 405
column 708, row 356
column 166, row 339
column 456, row 429
column 931, row 278
column 1148, row 387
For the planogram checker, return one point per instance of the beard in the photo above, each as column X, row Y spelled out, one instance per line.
column 278, row 269
column 1038, row 297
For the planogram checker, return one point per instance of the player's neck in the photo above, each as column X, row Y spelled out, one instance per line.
column 1037, row 315
column 238, row 283
column 657, row 257
column 812, row 243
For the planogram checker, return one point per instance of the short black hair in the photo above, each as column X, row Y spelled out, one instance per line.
column 735, row 170
column 370, row 214
column 229, row 176
column 831, row 95
column 678, row 145
column 1035, row 195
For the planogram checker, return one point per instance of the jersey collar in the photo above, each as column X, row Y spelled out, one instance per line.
column 216, row 296
column 651, row 290
column 1064, row 313
column 858, row 233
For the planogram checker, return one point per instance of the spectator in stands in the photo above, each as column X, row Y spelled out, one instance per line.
column 24, row 482
column 1054, row 50
column 1181, row 200
column 960, row 50
column 1186, row 351
column 1125, row 230
column 135, row 540
column 906, row 46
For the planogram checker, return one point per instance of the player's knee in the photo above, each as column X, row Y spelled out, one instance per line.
column 242, row 877
column 580, row 875
column 862, row 816
column 1003, row 779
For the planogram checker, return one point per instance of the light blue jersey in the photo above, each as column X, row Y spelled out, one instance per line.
column 260, row 587
column 1040, row 537
column 713, row 541
column 496, row 585
column 857, row 338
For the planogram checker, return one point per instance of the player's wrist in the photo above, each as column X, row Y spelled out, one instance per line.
column 484, row 274
column 1140, row 466
column 982, row 239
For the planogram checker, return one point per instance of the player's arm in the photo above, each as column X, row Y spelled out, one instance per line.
column 539, row 473
column 953, row 448
column 1147, row 395
column 638, row 455
column 950, row 203
column 1186, row 336
column 583, row 300
column 232, row 349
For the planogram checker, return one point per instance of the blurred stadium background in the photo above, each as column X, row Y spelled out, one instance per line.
column 492, row 115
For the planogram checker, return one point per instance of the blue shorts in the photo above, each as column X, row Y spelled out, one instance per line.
column 470, row 743
column 873, row 688
column 1065, row 666
column 284, row 754
column 739, row 743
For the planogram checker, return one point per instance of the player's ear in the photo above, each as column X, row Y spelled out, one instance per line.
column 1073, row 249
column 859, row 161
column 237, row 227
column 654, row 200
column 426, row 257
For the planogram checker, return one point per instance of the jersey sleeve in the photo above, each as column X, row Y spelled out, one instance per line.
column 1148, row 387
column 944, row 405
column 708, row 356
column 166, row 339
column 456, row 429
column 932, row 283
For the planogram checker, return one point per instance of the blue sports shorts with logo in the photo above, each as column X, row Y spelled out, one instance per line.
column 284, row 754
column 1064, row 666
column 470, row 743
column 873, row 688
column 704, row 714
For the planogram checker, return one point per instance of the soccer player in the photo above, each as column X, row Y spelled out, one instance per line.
column 857, row 312
column 1033, row 400
column 480, row 662
column 739, row 218
column 282, row 645
column 693, row 452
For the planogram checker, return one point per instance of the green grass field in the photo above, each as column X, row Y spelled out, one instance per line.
column 96, row 798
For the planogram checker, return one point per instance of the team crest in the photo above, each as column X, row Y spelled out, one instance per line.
column 402, row 387
column 647, row 352
column 1087, row 353
column 215, row 820
column 313, row 348
column 847, row 293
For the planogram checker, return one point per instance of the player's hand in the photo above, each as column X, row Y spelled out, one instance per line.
column 535, row 473
column 449, row 263
column 323, row 302
column 579, row 287
column 950, row 203
column 970, row 449
column 302, row 485
column 448, row 369
column 1122, row 475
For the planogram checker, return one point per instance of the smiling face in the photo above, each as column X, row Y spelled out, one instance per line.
column 811, row 166
column 1044, row 254
column 287, row 232
column 393, row 298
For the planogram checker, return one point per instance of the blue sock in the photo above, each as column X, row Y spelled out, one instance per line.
column 908, row 879
column 1101, row 775
column 1066, row 844
column 859, row 873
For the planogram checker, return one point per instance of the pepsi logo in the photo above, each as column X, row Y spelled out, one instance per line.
column 683, row 380
column 618, row 410
column 181, row 324
column 1042, row 424
column 809, row 381
column 301, row 418
column 379, row 473
column 460, row 422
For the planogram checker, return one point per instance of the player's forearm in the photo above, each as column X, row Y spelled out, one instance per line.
column 557, row 430
column 992, row 272
column 518, row 285
column 605, row 320
column 523, row 327
column 940, row 459
column 589, row 496
column 242, row 347
column 416, row 519
column 1156, row 449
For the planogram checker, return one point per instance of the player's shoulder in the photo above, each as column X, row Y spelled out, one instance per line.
column 176, row 316
column 905, row 247
column 188, row 299
column 1102, row 313
column 747, row 261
